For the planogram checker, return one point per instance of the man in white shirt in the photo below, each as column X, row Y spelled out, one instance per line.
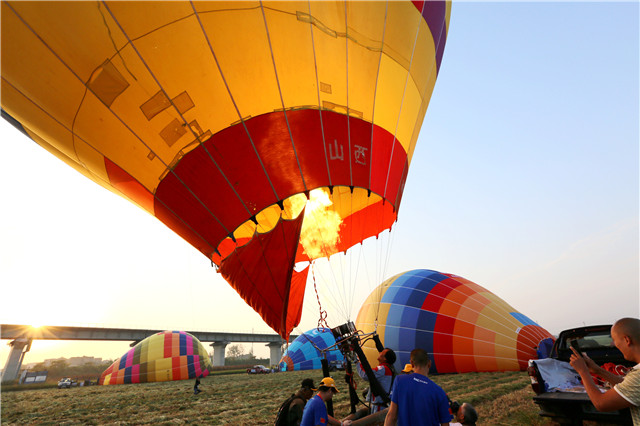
column 626, row 392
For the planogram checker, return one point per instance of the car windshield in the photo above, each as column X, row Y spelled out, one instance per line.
column 591, row 340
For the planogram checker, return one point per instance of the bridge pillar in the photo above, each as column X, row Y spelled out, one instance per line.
column 19, row 347
column 275, row 350
column 218, row 353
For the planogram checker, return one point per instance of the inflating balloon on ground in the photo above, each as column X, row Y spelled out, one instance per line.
column 165, row 356
column 307, row 351
column 463, row 326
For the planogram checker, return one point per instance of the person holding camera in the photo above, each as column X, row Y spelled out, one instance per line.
column 625, row 392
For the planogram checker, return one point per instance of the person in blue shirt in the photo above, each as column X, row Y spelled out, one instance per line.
column 415, row 399
column 315, row 412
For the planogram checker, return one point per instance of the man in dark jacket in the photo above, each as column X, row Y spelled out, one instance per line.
column 300, row 398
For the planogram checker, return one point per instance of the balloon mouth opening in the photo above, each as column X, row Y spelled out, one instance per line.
column 326, row 211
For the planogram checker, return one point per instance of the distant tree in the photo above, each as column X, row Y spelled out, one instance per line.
column 59, row 365
column 41, row 366
column 235, row 351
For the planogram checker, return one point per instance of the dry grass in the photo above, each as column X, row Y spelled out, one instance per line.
column 240, row 399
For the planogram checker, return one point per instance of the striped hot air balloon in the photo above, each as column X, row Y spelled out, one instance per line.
column 165, row 356
column 463, row 326
column 305, row 352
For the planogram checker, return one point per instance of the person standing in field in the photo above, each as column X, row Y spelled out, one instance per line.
column 415, row 399
column 196, row 390
column 626, row 390
column 290, row 413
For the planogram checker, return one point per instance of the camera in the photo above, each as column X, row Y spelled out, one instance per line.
column 454, row 406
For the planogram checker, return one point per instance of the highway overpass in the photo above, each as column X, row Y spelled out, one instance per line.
column 22, row 336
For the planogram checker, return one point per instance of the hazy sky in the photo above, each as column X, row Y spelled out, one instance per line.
column 524, row 181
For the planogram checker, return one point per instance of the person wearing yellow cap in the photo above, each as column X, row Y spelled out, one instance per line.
column 315, row 412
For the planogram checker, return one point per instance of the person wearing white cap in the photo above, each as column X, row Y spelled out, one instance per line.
column 315, row 412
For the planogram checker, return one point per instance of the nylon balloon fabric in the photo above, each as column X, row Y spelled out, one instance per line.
column 463, row 326
column 304, row 353
column 163, row 357
column 222, row 119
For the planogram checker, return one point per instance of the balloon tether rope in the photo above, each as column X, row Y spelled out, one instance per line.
column 322, row 321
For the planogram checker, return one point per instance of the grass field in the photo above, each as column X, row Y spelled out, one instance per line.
column 241, row 399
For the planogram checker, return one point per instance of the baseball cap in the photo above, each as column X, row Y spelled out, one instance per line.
column 329, row 383
column 408, row 368
column 308, row 383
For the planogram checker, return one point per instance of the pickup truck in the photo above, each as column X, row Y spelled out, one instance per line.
column 572, row 407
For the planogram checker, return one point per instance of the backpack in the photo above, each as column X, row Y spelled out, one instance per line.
column 283, row 411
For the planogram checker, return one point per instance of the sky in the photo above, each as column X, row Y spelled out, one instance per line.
column 525, row 180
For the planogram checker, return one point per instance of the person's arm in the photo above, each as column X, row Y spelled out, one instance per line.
column 392, row 415
column 361, row 372
column 596, row 369
column 334, row 421
column 608, row 401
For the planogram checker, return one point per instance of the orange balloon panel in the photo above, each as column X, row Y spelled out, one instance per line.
column 462, row 326
column 213, row 116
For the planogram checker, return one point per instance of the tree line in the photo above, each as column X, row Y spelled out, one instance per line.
column 61, row 368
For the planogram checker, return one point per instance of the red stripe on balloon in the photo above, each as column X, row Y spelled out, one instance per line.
column 211, row 192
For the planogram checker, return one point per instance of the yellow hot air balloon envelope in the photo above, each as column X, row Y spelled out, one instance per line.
column 224, row 119
column 163, row 357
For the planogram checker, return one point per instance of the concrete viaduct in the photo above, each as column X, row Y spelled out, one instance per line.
column 22, row 336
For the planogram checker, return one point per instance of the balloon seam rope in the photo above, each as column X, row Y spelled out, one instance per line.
column 235, row 105
column 346, row 58
column 286, row 119
column 480, row 314
column 375, row 90
column 426, row 84
column 404, row 92
column 183, row 119
column 315, row 65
